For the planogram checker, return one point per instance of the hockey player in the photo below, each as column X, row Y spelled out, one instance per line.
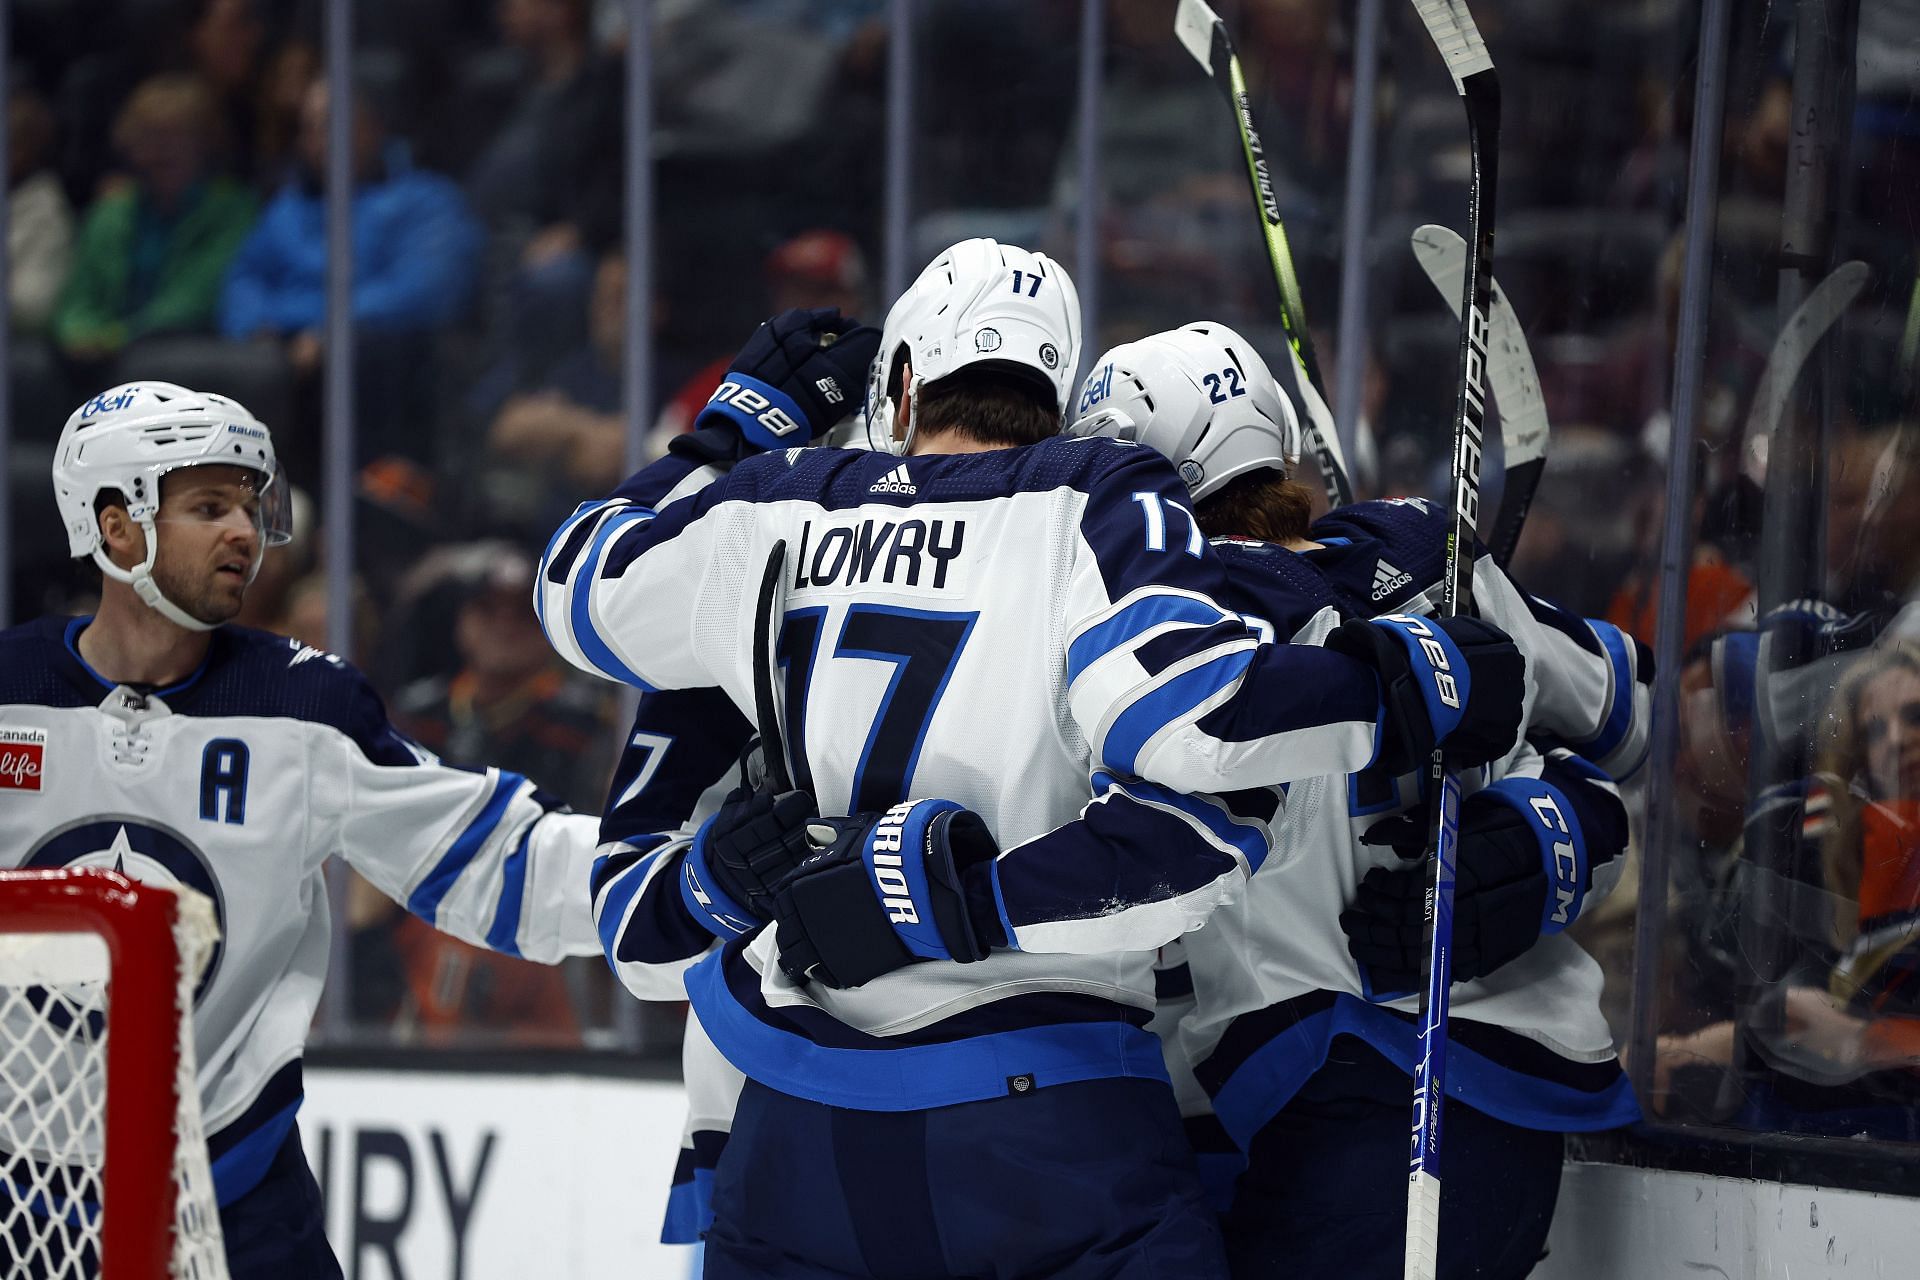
column 998, row 617
column 1300, row 1029
column 182, row 751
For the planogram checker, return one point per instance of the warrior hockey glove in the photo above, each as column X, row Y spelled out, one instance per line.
column 1457, row 681
column 740, row 855
column 1522, row 871
column 800, row 372
column 887, row 893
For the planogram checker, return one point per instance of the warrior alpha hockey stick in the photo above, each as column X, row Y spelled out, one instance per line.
column 1200, row 29
column 1453, row 31
column 1515, row 384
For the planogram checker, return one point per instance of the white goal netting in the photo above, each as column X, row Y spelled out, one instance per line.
column 64, row 1178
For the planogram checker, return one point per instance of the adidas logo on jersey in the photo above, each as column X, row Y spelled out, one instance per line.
column 895, row 481
column 1387, row 580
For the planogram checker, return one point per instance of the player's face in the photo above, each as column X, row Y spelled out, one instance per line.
column 1890, row 727
column 210, row 540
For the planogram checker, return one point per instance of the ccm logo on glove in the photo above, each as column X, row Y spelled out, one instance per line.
column 1566, row 863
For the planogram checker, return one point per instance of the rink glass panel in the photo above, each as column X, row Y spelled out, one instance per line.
column 1786, row 971
column 1778, row 997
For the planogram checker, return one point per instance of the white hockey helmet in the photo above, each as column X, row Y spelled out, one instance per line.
column 1200, row 395
column 979, row 303
column 126, row 439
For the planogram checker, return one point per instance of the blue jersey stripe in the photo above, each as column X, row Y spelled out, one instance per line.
column 614, row 908
column 1248, row 840
column 596, row 650
column 1620, row 715
column 424, row 901
column 239, row 1168
column 1170, row 702
column 503, row 934
column 689, row 1210
column 1103, row 638
column 1269, row 1077
column 919, row 1076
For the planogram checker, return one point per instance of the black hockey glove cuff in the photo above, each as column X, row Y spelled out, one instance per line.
column 741, row 854
column 800, row 373
column 887, row 893
column 1458, row 682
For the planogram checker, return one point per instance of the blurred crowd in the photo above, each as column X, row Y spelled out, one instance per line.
column 167, row 219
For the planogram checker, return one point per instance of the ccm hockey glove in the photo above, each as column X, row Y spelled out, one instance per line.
column 741, row 853
column 800, row 373
column 1456, row 681
column 887, row 893
column 1522, row 871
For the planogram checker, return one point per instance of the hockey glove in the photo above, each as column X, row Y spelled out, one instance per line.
column 800, row 372
column 740, row 855
column 887, row 893
column 1521, row 871
column 1457, row 681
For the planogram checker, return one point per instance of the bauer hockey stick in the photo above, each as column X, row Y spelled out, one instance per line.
column 766, row 673
column 1515, row 385
column 1204, row 35
column 1458, row 40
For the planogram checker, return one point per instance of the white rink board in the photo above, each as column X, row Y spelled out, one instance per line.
column 573, row 1186
column 1616, row 1223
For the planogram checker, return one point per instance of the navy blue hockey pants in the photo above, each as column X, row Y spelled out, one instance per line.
column 1088, row 1181
column 277, row 1231
column 1325, row 1189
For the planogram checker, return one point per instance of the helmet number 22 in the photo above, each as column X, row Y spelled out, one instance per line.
column 1219, row 394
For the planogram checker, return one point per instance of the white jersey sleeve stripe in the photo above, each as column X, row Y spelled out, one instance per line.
column 1138, row 618
column 586, row 630
column 1177, row 697
column 425, row 899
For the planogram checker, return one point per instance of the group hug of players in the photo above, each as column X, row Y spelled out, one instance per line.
column 1025, row 792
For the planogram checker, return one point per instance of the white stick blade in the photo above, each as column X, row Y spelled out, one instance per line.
column 1193, row 26
column 1512, row 378
column 1454, row 34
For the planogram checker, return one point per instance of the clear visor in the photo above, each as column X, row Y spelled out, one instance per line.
column 263, row 500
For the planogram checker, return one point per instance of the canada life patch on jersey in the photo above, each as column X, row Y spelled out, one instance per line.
column 146, row 851
column 23, row 759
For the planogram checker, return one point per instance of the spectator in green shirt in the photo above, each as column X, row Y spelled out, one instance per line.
column 152, row 253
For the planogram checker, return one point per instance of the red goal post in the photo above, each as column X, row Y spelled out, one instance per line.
column 102, row 1155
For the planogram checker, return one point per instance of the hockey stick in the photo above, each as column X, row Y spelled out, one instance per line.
column 1458, row 40
column 1515, row 384
column 766, row 674
column 1808, row 324
column 1204, row 35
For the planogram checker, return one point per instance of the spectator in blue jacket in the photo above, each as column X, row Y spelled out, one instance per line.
column 416, row 259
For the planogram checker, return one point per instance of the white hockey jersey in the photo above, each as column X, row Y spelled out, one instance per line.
column 1271, row 979
column 240, row 781
column 997, row 628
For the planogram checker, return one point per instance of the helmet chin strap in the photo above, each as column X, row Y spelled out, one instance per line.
column 140, row 578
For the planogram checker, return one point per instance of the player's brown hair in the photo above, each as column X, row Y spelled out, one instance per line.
column 990, row 405
column 1257, row 504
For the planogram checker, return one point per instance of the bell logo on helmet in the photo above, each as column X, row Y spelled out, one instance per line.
column 107, row 402
column 1049, row 355
column 987, row 340
column 1098, row 388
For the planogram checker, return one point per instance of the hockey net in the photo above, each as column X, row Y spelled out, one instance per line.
column 103, row 1161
